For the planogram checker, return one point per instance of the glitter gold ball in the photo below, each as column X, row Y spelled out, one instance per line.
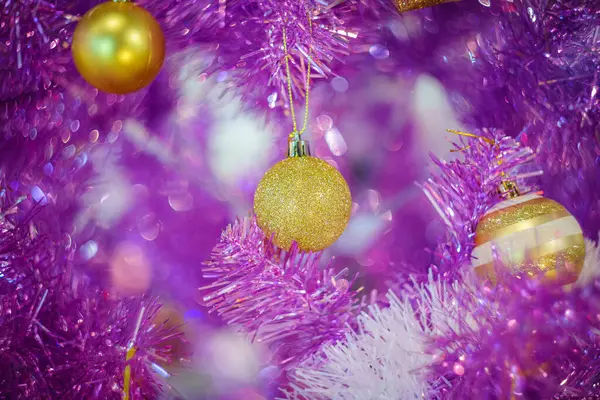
column 303, row 200
column 118, row 47
column 532, row 235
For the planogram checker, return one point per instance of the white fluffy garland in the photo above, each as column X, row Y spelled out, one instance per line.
column 385, row 359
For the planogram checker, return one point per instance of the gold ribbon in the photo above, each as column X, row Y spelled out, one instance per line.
column 551, row 206
column 507, row 216
column 127, row 373
column 409, row 5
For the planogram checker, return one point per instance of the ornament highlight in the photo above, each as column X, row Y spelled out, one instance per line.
column 303, row 199
column 410, row 5
column 118, row 47
column 530, row 234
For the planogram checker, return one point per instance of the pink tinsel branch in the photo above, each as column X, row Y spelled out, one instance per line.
column 283, row 299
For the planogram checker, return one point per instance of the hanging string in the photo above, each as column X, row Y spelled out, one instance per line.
column 287, row 56
column 127, row 373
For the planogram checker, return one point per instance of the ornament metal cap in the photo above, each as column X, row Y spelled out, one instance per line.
column 509, row 190
column 297, row 147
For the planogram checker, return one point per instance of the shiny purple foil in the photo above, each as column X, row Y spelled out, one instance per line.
column 33, row 35
column 247, row 40
column 254, row 52
column 462, row 190
column 520, row 340
column 40, row 90
column 61, row 335
column 285, row 300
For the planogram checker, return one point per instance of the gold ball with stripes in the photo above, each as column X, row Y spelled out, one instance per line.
column 410, row 5
column 531, row 235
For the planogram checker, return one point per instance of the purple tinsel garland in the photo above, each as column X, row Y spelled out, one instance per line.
column 35, row 37
column 521, row 340
column 282, row 299
column 60, row 335
column 533, row 72
column 42, row 97
column 247, row 39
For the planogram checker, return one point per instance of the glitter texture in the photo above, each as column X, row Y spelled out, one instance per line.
column 563, row 266
column 303, row 200
column 573, row 256
column 409, row 5
column 285, row 300
column 505, row 217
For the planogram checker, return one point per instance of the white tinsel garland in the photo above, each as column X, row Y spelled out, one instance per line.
column 385, row 359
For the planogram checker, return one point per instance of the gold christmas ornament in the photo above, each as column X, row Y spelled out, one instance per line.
column 409, row 5
column 118, row 47
column 303, row 199
column 532, row 235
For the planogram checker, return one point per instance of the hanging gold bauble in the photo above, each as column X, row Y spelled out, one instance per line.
column 303, row 200
column 532, row 235
column 118, row 47
column 409, row 5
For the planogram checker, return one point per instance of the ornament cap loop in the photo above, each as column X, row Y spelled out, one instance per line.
column 298, row 147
